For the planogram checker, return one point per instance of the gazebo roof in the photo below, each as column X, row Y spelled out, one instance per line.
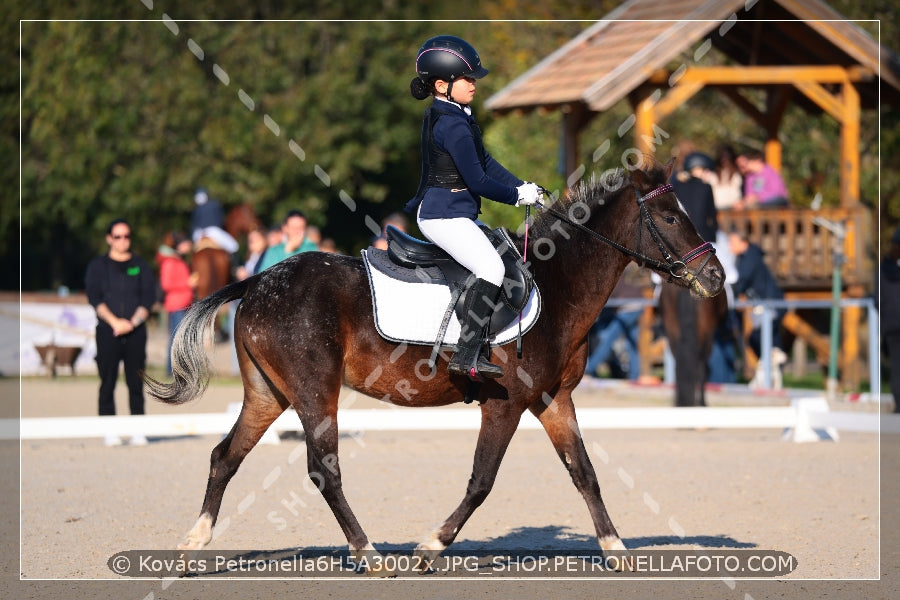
column 616, row 55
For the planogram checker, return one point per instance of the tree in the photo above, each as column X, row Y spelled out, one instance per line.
column 127, row 118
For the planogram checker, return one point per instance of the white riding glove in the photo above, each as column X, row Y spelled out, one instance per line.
column 529, row 193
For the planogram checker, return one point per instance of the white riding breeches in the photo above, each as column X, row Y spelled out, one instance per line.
column 462, row 239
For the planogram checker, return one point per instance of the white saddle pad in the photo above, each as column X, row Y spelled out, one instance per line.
column 412, row 312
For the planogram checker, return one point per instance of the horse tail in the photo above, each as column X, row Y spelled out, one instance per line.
column 190, row 363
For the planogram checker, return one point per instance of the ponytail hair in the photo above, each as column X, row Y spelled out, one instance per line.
column 419, row 88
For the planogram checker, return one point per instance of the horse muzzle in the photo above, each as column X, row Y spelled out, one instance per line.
column 709, row 281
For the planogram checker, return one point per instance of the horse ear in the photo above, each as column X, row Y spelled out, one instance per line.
column 639, row 179
column 669, row 167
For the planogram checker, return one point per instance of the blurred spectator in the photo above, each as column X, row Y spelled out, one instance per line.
column 274, row 236
column 756, row 282
column 329, row 245
column 121, row 287
column 725, row 179
column 256, row 249
column 177, row 283
column 207, row 220
column 617, row 324
column 314, row 235
column 398, row 220
column 763, row 185
column 890, row 313
column 295, row 241
column 680, row 152
column 696, row 195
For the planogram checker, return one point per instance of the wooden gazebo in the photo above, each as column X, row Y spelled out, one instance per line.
column 798, row 52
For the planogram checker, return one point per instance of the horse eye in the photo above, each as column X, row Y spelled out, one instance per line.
column 671, row 219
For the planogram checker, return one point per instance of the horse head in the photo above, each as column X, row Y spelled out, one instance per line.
column 637, row 212
column 241, row 220
column 667, row 236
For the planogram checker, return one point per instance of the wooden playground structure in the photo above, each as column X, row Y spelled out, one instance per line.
column 789, row 53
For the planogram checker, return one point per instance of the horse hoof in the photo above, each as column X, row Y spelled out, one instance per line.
column 189, row 546
column 424, row 560
column 615, row 555
column 624, row 563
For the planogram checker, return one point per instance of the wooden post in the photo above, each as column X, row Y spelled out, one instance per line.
column 575, row 116
column 643, row 125
column 773, row 150
column 851, row 362
column 777, row 100
column 645, row 336
column 850, row 146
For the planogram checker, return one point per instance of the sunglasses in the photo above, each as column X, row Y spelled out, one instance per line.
column 126, row 236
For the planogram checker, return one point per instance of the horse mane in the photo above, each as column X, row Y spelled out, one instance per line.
column 600, row 192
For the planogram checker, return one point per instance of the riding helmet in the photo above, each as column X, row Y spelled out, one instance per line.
column 698, row 159
column 448, row 57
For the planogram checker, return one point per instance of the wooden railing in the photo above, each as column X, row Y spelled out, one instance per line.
column 800, row 252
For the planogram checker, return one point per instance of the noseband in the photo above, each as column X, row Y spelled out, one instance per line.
column 676, row 268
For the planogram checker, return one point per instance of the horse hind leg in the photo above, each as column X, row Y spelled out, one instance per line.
column 258, row 412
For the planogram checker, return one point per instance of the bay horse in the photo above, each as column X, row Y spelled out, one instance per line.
column 690, row 326
column 305, row 328
column 212, row 264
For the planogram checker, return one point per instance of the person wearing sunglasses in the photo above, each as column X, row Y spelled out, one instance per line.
column 121, row 287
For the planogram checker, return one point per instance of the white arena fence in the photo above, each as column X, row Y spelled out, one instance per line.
column 805, row 419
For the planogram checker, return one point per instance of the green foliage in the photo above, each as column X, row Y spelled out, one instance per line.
column 121, row 118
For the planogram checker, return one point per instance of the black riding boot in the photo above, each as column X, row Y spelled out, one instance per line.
column 478, row 308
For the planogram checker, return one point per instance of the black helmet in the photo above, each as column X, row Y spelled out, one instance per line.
column 698, row 159
column 448, row 57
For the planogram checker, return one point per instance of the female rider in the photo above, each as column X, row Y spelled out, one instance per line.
column 456, row 172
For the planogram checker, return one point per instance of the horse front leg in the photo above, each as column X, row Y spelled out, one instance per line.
column 558, row 420
column 499, row 421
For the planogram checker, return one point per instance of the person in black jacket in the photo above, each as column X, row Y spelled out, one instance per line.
column 121, row 287
column 756, row 282
column 890, row 313
column 696, row 195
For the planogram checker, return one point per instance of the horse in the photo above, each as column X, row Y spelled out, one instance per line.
column 305, row 328
column 690, row 325
column 212, row 264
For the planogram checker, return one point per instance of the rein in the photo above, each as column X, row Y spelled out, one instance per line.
column 675, row 268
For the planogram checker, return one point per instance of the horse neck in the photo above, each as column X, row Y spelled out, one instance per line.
column 581, row 271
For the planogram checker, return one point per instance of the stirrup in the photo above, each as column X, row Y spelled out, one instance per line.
column 480, row 371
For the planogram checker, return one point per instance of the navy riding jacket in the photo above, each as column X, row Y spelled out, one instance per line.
column 754, row 277
column 453, row 131
column 697, row 198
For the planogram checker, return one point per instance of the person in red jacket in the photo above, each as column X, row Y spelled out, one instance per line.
column 177, row 283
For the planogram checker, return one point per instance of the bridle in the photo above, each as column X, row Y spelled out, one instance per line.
column 675, row 268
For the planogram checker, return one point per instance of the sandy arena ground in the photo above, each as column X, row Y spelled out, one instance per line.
column 713, row 490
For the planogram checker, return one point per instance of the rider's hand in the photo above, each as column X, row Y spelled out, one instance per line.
column 529, row 193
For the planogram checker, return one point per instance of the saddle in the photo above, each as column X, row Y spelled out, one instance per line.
column 429, row 263
column 206, row 243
